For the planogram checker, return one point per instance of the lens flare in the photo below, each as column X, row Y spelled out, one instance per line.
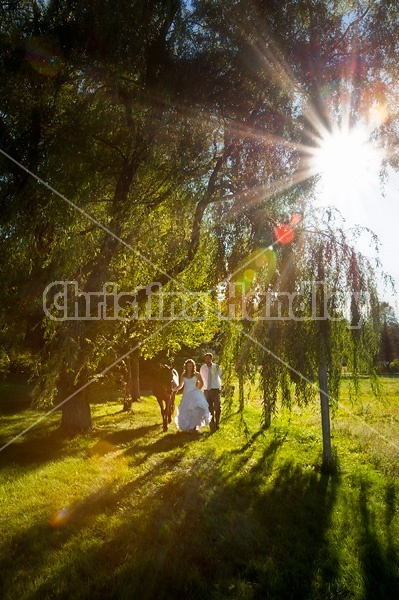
column 284, row 233
column 256, row 263
column 43, row 57
column 295, row 219
column 249, row 275
column 378, row 115
column 60, row 519
column 101, row 448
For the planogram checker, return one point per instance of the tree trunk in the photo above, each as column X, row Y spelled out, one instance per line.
column 241, row 399
column 76, row 415
column 133, row 376
column 132, row 380
column 325, row 420
column 267, row 411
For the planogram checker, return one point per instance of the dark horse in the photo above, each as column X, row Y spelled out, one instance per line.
column 166, row 378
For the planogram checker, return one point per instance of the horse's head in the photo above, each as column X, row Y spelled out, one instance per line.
column 168, row 377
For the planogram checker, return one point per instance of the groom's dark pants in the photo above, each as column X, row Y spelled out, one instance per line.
column 213, row 398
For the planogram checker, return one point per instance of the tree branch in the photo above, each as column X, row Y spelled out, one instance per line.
column 354, row 23
column 109, row 144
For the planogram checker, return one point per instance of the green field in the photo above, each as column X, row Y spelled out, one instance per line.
column 131, row 512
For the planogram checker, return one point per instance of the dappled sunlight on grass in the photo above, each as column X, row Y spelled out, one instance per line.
column 129, row 511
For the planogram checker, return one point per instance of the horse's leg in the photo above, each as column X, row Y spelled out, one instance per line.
column 172, row 406
column 168, row 408
column 165, row 417
column 163, row 414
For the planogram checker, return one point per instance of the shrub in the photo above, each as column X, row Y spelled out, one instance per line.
column 394, row 366
column 381, row 367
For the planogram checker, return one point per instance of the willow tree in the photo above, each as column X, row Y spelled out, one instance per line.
column 111, row 127
column 320, row 61
column 138, row 152
column 106, row 126
column 319, row 305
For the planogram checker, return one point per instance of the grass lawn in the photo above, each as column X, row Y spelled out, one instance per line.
column 131, row 512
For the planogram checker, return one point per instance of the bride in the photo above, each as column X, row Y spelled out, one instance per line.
column 193, row 411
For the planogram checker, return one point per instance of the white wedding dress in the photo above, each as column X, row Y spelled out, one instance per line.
column 193, row 411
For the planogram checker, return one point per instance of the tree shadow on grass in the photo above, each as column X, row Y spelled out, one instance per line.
column 264, row 463
column 113, row 441
column 232, row 526
column 126, row 436
column 39, row 541
column 165, row 444
column 380, row 563
column 35, row 450
column 208, row 531
column 250, row 441
column 228, row 544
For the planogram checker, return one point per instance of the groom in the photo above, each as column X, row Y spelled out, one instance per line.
column 211, row 376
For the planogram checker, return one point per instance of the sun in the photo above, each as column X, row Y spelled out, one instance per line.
column 349, row 165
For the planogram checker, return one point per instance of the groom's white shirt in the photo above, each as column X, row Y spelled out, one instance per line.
column 216, row 372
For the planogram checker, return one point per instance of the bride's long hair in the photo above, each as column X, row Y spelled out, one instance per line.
column 190, row 361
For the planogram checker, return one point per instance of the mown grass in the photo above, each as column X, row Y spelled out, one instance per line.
column 131, row 512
